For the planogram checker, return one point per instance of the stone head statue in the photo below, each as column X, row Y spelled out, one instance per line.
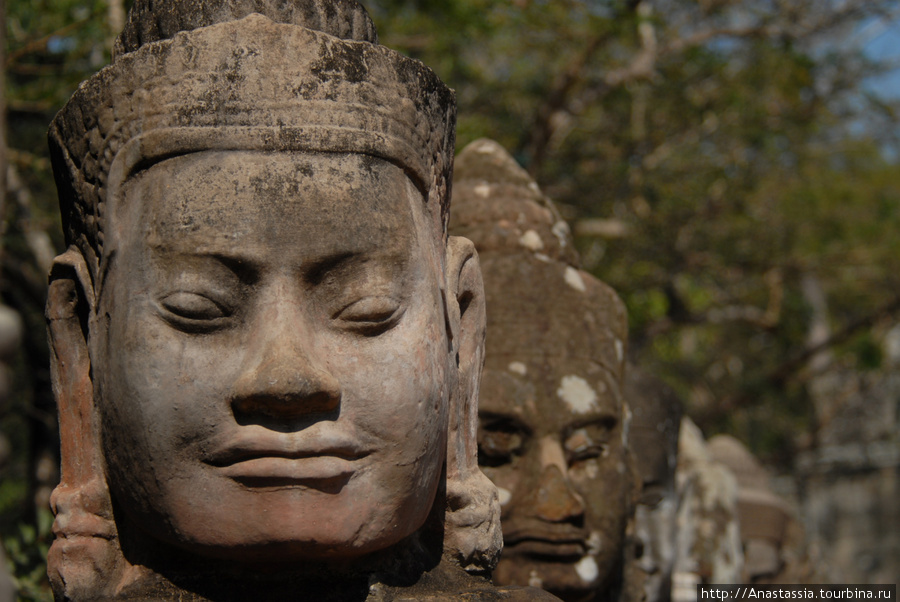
column 656, row 416
column 553, row 422
column 763, row 515
column 707, row 537
column 266, row 349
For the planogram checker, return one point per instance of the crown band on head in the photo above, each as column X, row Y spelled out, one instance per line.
column 251, row 84
column 154, row 20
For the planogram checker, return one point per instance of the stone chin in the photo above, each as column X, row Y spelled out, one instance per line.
column 573, row 579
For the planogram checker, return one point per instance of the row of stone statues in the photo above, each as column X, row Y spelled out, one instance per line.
column 607, row 492
column 268, row 333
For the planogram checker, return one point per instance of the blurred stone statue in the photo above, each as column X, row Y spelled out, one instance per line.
column 266, row 350
column 771, row 537
column 553, row 422
column 708, row 538
column 720, row 522
column 653, row 439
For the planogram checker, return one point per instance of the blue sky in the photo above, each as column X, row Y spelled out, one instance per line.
column 882, row 41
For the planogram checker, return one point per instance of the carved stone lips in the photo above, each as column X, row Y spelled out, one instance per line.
column 560, row 546
column 256, row 455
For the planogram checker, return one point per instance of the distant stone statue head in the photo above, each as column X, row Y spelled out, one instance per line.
column 553, row 422
column 656, row 417
column 266, row 349
column 765, row 518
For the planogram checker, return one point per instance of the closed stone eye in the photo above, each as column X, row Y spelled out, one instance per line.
column 371, row 315
column 581, row 445
column 498, row 442
column 193, row 312
column 193, row 306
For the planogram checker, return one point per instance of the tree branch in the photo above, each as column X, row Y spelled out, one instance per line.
column 41, row 43
column 788, row 368
column 760, row 30
column 540, row 133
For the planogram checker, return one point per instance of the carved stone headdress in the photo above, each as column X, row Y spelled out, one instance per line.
column 521, row 239
column 265, row 75
column 198, row 75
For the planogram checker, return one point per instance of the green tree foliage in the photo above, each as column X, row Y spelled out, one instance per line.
column 51, row 46
column 713, row 155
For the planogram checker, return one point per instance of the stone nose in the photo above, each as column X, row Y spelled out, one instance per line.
column 289, row 390
column 554, row 499
column 283, row 377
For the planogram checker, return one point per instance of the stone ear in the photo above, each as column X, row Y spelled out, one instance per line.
column 472, row 538
column 70, row 304
column 70, row 295
column 466, row 307
column 85, row 552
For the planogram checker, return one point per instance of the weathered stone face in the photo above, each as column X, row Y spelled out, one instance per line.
column 553, row 422
column 653, row 438
column 275, row 349
column 266, row 350
column 551, row 433
column 708, row 543
column 765, row 518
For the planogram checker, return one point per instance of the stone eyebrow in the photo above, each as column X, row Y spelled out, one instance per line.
column 503, row 422
column 604, row 419
column 315, row 273
column 245, row 267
